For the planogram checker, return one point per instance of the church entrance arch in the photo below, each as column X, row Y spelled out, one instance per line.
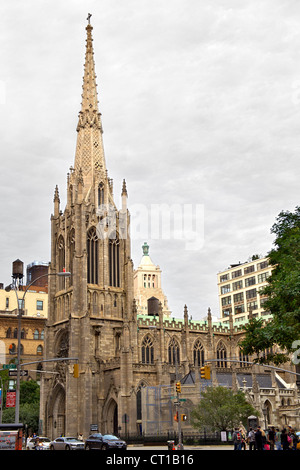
column 112, row 418
column 57, row 413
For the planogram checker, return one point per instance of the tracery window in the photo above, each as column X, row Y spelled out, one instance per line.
column 198, row 353
column 221, row 355
column 174, row 352
column 100, row 194
column 147, row 351
column 114, row 262
column 92, row 257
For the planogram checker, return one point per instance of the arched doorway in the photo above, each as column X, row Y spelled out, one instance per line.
column 57, row 413
column 112, row 418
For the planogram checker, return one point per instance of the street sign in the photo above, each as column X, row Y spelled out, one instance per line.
column 9, row 366
column 10, row 399
column 14, row 373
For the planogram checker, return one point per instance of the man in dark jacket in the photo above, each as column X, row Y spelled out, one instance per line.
column 258, row 439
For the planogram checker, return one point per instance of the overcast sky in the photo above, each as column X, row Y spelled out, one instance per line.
column 200, row 106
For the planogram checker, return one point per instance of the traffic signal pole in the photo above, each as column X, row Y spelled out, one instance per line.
column 178, row 391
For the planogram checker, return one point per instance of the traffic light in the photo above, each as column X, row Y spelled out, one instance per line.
column 183, row 417
column 178, row 387
column 205, row 372
column 76, row 371
column 176, row 416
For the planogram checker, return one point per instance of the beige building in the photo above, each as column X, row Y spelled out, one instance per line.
column 35, row 305
column 240, row 288
column 147, row 285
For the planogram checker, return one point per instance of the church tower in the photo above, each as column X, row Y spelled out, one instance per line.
column 90, row 313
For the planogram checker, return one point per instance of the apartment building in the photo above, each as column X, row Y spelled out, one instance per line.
column 240, row 289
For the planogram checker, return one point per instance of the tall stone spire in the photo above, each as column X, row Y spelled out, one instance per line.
column 89, row 156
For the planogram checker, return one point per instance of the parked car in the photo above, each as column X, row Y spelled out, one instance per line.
column 66, row 443
column 98, row 441
column 44, row 443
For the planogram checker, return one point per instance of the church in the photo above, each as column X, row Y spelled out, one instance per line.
column 95, row 320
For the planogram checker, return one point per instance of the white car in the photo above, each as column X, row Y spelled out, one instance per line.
column 43, row 443
column 66, row 443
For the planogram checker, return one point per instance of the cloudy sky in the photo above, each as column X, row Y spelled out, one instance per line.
column 200, row 106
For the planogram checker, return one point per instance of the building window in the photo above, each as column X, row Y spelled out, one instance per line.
column 243, row 359
column 39, row 350
column 249, row 269
column 250, row 294
column 250, row 281
column 237, row 285
column 174, row 352
column 236, row 273
column 100, row 194
column 7, row 302
column 36, row 334
column 61, row 261
column 239, row 309
column 114, row 262
column 224, row 277
column 263, row 277
column 226, row 300
column 198, row 354
column 221, row 355
column 147, row 351
column 92, row 257
column 225, row 289
column 39, row 305
column 238, row 297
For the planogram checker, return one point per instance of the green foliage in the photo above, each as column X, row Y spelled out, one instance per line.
column 221, row 409
column 283, row 290
column 29, row 406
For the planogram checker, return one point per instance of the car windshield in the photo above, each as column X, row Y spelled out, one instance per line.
column 109, row 437
column 71, row 439
column 44, row 439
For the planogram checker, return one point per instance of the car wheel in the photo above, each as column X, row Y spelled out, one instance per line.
column 104, row 447
column 51, row 448
column 87, row 447
column 67, row 448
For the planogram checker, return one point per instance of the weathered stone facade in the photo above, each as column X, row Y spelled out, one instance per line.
column 93, row 315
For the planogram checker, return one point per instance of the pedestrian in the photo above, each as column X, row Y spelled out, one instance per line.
column 272, row 434
column 251, row 439
column 277, row 440
column 237, row 439
column 258, row 439
column 284, row 440
column 294, row 440
column 80, row 436
column 243, row 440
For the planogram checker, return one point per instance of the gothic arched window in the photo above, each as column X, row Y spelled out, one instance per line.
column 71, row 253
column 198, row 353
column 61, row 261
column 174, row 352
column 243, row 359
column 114, row 262
column 147, row 351
column 92, row 257
column 221, row 355
column 100, row 194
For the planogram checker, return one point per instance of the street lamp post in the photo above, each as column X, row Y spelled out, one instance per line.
column 20, row 309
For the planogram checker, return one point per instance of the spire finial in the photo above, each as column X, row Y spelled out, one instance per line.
column 89, row 18
column 145, row 249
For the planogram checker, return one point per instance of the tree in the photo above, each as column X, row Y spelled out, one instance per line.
column 221, row 409
column 283, row 291
column 29, row 406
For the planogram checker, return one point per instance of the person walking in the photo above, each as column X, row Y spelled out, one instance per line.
column 284, row 440
column 251, row 439
column 258, row 439
column 237, row 439
column 272, row 434
column 277, row 439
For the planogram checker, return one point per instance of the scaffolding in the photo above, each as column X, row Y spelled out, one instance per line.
column 157, row 410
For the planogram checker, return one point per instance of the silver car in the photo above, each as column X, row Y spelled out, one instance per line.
column 66, row 443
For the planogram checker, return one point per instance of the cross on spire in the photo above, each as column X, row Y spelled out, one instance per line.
column 89, row 18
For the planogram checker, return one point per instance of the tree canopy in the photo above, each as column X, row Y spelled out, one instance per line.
column 221, row 409
column 283, row 291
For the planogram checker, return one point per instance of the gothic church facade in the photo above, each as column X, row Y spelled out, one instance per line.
column 93, row 315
